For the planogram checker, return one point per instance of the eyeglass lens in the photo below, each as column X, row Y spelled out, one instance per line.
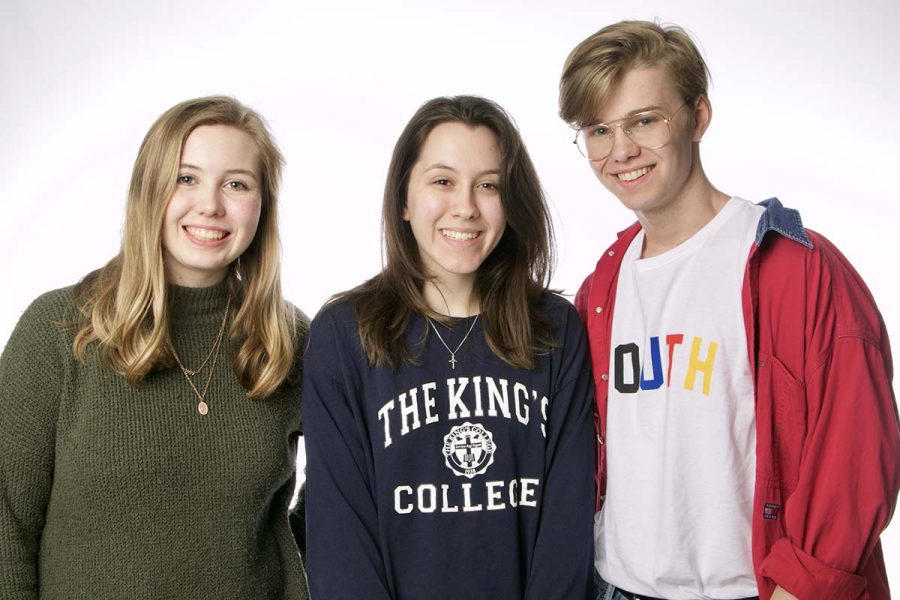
column 648, row 130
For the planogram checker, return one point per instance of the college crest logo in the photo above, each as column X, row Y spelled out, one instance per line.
column 469, row 450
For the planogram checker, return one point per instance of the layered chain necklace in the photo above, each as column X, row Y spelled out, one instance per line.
column 202, row 406
column 453, row 360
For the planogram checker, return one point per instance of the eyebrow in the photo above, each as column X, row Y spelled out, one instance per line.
column 636, row 111
column 449, row 168
column 228, row 172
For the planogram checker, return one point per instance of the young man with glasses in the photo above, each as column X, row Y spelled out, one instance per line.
column 747, row 434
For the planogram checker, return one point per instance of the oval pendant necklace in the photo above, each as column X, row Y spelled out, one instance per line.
column 202, row 406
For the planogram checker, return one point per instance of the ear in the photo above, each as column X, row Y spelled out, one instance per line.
column 405, row 214
column 702, row 117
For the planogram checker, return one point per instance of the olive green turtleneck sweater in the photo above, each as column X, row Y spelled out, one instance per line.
column 113, row 492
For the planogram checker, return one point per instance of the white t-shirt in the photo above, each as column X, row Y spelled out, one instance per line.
column 680, row 430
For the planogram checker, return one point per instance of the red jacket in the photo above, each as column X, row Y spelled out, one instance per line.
column 827, row 433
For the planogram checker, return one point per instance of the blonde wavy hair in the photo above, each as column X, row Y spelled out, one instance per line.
column 123, row 305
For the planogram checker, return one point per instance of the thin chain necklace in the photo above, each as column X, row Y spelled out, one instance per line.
column 215, row 345
column 202, row 406
column 453, row 360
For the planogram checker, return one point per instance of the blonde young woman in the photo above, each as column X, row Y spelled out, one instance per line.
column 149, row 415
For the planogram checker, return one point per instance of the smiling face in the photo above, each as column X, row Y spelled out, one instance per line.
column 653, row 181
column 453, row 202
column 214, row 211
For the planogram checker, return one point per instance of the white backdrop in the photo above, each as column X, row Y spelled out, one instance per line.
column 806, row 98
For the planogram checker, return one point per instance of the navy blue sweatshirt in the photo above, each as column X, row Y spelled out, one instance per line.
column 435, row 481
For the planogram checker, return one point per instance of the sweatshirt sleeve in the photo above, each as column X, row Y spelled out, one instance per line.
column 562, row 563
column 31, row 379
column 343, row 555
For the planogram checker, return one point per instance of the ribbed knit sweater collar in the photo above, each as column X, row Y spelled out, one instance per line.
column 197, row 306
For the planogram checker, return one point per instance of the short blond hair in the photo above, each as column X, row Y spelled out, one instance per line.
column 598, row 63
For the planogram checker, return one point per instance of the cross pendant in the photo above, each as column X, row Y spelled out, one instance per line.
column 452, row 361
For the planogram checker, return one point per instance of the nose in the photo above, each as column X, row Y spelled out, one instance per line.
column 210, row 201
column 623, row 146
column 465, row 203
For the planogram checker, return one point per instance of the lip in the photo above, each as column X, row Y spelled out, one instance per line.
column 203, row 241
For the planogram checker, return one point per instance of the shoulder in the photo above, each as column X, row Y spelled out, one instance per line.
column 819, row 262
column 566, row 321
column 338, row 313
column 557, row 306
column 59, row 302
column 296, row 313
column 53, row 310
column 824, row 280
column 44, row 332
column 333, row 328
column 333, row 349
column 607, row 268
column 299, row 322
column 582, row 296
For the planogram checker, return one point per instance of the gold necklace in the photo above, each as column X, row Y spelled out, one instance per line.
column 202, row 406
column 453, row 360
column 215, row 345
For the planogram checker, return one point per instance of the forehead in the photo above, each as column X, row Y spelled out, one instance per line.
column 220, row 147
column 458, row 145
column 639, row 89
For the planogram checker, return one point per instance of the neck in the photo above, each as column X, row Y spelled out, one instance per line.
column 451, row 300
column 697, row 204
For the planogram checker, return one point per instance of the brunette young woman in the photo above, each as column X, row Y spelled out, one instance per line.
column 447, row 399
column 149, row 415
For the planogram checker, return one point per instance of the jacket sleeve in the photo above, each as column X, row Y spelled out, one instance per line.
column 31, row 376
column 343, row 554
column 562, row 562
column 849, row 468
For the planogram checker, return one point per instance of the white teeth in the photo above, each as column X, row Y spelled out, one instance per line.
column 205, row 234
column 459, row 235
column 632, row 175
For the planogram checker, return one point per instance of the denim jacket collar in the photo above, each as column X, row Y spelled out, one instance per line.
column 779, row 219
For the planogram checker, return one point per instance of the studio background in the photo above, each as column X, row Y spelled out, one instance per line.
column 805, row 100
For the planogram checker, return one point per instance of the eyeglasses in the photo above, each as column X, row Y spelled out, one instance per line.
column 647, row 129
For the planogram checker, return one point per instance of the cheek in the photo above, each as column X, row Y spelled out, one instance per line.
column 247, row 214
column 497, row 217
column 175, row 208
column 597, row 168
column 170, row 222
column 421, row 212
column 493, row 215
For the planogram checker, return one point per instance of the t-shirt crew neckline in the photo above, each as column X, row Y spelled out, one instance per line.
column 690, row 245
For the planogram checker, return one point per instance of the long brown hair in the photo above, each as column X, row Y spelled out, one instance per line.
column 510, row 281
column 124, row 304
